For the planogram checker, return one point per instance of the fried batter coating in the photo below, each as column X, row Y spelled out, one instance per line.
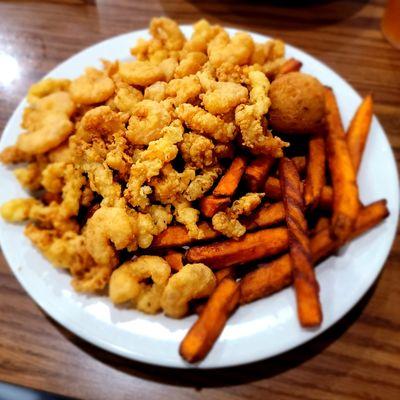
column 236, row 51
column 190, row 64
column 224, row 97
column 156, row 91
column 53, row 129
column 13, row 155
column 297, row 104
column 47, row 86
column 202, row 183
column 227, row 221
column 129, row 283
column 30, row 177
column 168, row 67
column 149, row 163
column 108, row 230
column 203, row 33
column 203, row 122
column 197, row 150
column 126, row 97
column 147, row 121
column 17, row 210
column 188, row 216
column 193, row 281
column 167, row 31
column 170, row 184
column 140, row 73
column 92, row 87
column 183, row 90
column 249, row 119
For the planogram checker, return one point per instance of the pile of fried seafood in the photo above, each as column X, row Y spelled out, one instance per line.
column 164, row 180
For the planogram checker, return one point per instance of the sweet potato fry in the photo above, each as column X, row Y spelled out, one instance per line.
column 203, row 334
column 267, row 279
column 345, row 191
column 225, row 273
column 210, row 205
column 290, row 65
column 300, row 163
column 177, row 236
column 257, row 171
column 174, row 259
column 267, row 215
column 250, row 247
column 276, row 275
column 272, row 190
column 323, row 245
column 305, row 283
column 315, row 178
column 230, row 181
column 358, row 131
column 322, row 223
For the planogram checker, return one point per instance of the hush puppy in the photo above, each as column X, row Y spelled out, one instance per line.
column 297, row 104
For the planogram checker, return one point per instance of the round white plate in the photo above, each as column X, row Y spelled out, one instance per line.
column 256, row 331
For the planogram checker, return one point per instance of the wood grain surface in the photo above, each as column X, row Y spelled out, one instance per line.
column 359, row 358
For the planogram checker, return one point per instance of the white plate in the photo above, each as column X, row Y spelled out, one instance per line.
column 256, row 331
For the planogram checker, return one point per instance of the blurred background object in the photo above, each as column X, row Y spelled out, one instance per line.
column 391, row 22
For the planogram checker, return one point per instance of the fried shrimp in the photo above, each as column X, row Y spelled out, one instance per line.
column 197, row 150
column 108, row 230
column 147, row 121
column 193, row 281
column 129, row 283
column 92, row 88
column 141, row 73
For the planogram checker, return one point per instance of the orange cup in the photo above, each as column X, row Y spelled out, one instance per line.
column 391, row 22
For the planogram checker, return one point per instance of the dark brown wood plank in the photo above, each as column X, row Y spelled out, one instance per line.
column 359, row 358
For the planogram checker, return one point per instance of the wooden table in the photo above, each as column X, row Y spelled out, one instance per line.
column 359, row 358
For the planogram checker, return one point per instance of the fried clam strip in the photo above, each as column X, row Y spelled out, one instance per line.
column 178, row 235
column 249, row 118
column 346, row 203
column 305, row 283
column 276, row 275
column 357, row 133
column 204, row 333
column 250, row 247
column 315, row 179
column 272, row 190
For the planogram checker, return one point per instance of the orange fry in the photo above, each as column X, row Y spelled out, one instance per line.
column 210, row 205
column 230, row 181
column 301, row 163
column 257, row 171
column 345, row 191
column 204, row 333
column 266, row 216
column 290, row 65
column 272, row 190
column 276, row 275
column 225, row 273
column 250, row 247
column 315, row 179
column 322, row 223
column 358, row 131
column 174, row 259
column 178, row 236
column 305, row 283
